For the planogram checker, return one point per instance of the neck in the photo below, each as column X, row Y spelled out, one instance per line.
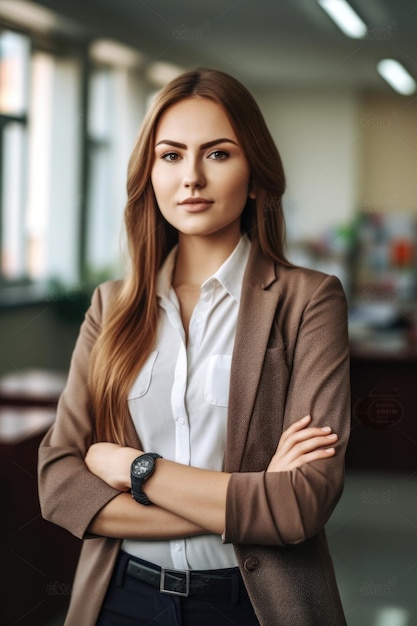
column 200, row 257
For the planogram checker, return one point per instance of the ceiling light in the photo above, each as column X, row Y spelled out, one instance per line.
column 397, row 76
column 345, row 17
column 34, row 17
column 114, row 53
column 160, row 73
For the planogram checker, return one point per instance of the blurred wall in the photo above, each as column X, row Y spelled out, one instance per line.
column 319, row 138
column 388, row 181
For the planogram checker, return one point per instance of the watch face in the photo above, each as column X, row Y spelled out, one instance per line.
column 142, row 465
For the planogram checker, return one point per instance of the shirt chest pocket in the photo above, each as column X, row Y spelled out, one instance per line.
column 143, row 379
column 217, row 380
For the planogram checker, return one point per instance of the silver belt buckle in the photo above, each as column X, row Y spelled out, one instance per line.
column 186, row 574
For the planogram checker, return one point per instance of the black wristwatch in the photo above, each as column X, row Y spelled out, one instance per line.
column 140, row 470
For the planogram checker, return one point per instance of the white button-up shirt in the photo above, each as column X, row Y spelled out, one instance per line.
column 179, row 400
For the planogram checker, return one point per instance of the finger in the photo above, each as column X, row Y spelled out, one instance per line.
column 310, row 445
column 317, row 455
column 304, row 435
column 309, row 433
column 296, row 426
column 285, row 463
column 315, row 443
column 299, row 424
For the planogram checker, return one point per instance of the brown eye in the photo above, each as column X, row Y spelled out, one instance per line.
column 218, row 155
column 170, row 156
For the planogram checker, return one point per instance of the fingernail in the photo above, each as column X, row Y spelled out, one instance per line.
column 329, row 450
column 332, row 436
column 326, row 429
column 307, row 418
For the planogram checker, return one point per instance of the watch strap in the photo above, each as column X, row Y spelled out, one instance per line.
column 137, row 482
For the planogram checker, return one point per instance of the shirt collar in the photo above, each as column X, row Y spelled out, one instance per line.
column 229, row 275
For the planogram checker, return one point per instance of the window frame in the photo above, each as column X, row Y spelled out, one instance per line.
column 25, row 290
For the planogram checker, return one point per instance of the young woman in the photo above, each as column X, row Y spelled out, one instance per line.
column 212, row 385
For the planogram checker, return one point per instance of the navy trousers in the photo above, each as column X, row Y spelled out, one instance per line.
column 131, row 602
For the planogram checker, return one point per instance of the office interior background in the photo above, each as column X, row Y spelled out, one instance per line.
column 76, row 77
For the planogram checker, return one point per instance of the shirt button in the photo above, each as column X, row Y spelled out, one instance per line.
column 181, row 421
column 178, row 547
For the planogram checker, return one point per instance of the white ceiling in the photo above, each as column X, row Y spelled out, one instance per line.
column 265, row 43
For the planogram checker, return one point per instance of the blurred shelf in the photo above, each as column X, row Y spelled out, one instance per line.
column 373, row 350
column 34, row 387
column 19, row 423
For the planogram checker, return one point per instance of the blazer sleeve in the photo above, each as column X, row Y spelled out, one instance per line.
column 70, row 496
column 277, row 508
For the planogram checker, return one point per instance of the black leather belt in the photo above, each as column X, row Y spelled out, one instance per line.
column 219, row 585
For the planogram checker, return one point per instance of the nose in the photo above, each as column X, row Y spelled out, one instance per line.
column 194, row 175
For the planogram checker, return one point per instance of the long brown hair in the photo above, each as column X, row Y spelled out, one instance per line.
column 129, row 330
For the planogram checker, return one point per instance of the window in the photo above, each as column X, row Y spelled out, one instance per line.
column 102, row 225
column 116, row 106
column 67, row 127
column 14, row 60
column 39, row 162
column 55, row 165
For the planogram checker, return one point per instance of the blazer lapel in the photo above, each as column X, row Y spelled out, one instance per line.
column 256, row 314
column 132, row 438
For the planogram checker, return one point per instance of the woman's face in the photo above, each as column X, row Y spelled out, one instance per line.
column 200, row 174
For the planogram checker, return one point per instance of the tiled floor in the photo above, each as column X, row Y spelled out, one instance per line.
column 373, row 539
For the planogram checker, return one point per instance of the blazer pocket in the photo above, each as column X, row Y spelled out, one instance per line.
column 143, row 379
column 217, row 380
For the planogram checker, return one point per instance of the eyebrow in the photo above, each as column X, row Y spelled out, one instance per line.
column 203, row 146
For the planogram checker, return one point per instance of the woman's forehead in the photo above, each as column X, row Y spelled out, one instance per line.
column 195, row 117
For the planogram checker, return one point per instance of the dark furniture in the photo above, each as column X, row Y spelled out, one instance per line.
column 384, row 410
column 38, row 559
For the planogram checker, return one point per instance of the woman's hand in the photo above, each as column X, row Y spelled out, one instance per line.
column 111, row 463
column 299, row 445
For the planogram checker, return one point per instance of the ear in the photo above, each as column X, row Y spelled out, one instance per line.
column 251, row 190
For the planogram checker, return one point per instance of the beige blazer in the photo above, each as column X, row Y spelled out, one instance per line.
column 291, row 358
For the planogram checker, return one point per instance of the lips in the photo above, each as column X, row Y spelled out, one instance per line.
column 195, row 200
column 195, row 204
